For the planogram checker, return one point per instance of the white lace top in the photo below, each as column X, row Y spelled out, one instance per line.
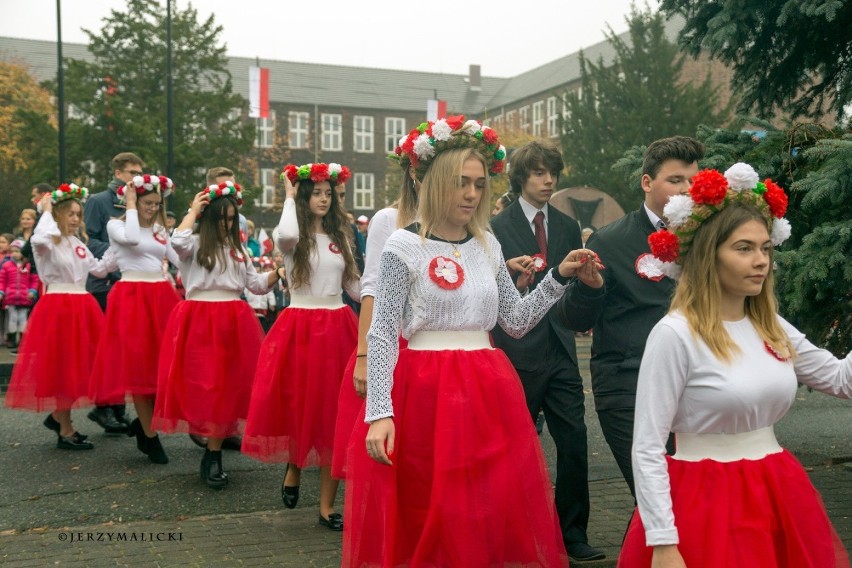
column 684, row 388
column 136, row 247
column 408, row 300
column 68, row 262
column 327, row 264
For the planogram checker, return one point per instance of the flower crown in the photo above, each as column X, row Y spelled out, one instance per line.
column 262, row 261
column 429, row 139
column 332, row 173
column 223, row 190
column 69, row 191
column 710, row 193
column 147, row 183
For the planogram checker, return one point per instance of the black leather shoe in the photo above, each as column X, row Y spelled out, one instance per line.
column 582, row 552
column 334, row 522
column 156, row 453
column 289, row 495
column 120, row 413
column 135, row 429
column 105, row 417
column 51, row 423
column 211, row 470
column 73, row 442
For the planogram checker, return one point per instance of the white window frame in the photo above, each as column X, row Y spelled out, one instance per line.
column 394, row 130
column 332, row 132
column 510, row 121
column 524, row 114
column 362, row 134
column 266, row 131
column 267, row 184
column 566, row 114
column 297, row 129
column 364, row 191
column 538, row 117
column 552, row 118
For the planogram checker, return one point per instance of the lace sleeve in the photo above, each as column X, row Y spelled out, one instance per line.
column 383, row 337
column 517, row 315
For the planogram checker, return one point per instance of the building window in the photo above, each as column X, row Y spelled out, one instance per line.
column 552, row 118
column 566, row 112
column 364, row 134
column 364, row 193
column 538, row 118
column 524, row 114
column 332, row 132
column 267, row 184
column 511, row 121
column 266, row 131
column 497, row 122
column 394, row 129
column 297, row 129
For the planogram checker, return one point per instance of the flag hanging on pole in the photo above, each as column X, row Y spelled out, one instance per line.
column 265, row 241
column 258, row 92
column 436, row 109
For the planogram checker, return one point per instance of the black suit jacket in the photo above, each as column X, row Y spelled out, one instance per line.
column 516, row 238
column 632, row 306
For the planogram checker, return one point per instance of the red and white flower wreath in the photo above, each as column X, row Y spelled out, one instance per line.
column 446, row 273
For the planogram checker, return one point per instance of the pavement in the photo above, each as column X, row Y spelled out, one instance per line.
column 112, row 507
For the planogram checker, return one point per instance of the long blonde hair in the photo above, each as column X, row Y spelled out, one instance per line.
column 698, row 295
column 406, row 204
column 435, row 190
column 60, row 215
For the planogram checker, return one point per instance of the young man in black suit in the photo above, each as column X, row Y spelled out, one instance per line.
column 546, row 358
column 634, row 302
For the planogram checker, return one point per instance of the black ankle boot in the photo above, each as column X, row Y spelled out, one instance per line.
column 156, row 453
column 135, row 429
column 211, row 470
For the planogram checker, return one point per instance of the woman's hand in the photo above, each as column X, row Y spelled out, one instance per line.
column 585, row 265
column 289, row 188
column 199, row 202
column 381, row 432
column 46, row 203
column 524, row 266
column 359, row 376
column 667, row 556
column 130, row 195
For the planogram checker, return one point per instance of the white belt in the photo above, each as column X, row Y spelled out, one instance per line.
column 213, row 295
column 726, row 447
column 449, row 340
column 140, row 276
column 316, row 302
column 66, row 288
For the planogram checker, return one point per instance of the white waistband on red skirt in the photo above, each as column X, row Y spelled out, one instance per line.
column 752, row 445
column 140, row 276
column 449, row 340
column 316, row 302
column 67, row 288
column 213, row 295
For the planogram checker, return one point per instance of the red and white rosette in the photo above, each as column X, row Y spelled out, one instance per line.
column 80, row 251
column 160, row 237
column 334, row 248
column 652, row 268
column 446, row 273
column 238, row 256
column 772, row 351
column 539, row 263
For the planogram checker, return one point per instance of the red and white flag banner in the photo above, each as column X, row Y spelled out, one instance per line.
column 258, row 92
column 436, row 109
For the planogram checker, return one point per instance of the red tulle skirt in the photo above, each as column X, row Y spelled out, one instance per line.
column 207, row 361
column 128, row 353
column 469, row 484
column 348, row 406
column 56, row 356
column 294, row 400
column 758, row 513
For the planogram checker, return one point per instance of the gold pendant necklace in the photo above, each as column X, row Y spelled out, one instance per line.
column 454, row 244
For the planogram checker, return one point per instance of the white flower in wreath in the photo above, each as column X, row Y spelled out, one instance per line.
column 441, row 130
column 678, row 210
column 334, row 168
column 781, row 231
column 471, row 127
column 741, row 176
column 423, row 148
column 447, row 270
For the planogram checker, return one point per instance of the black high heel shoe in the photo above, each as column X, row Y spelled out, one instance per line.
column 289, row 495
column 211, row 470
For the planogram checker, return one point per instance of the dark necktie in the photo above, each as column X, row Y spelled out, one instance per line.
column 540, row 234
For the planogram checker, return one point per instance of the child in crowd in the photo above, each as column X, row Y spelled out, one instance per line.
column 262, row 304
column 18, row 293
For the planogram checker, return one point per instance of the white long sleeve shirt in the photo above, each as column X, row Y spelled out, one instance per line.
column 382, row 226
column 684, row 388
column 139, row 248
column 69, row 261
column 327, row 264
column 408, row 300
column 234, row 277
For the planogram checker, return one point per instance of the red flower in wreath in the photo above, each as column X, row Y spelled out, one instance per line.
column 80, row 251
column 708, row 186
column 160, row 238
column 664, row 245
column 489, row 135
column 446, row 273
column 539, row 262
column 319, row 172
column 497, row 167
column 772, row 351
column 775, row 198
column 334, row 248
column 238, row 256
column 455, row 122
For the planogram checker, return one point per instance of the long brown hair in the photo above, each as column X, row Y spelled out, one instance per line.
column 698, row 295
column 336, row 226
column 60, row 215
column 211, row 241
